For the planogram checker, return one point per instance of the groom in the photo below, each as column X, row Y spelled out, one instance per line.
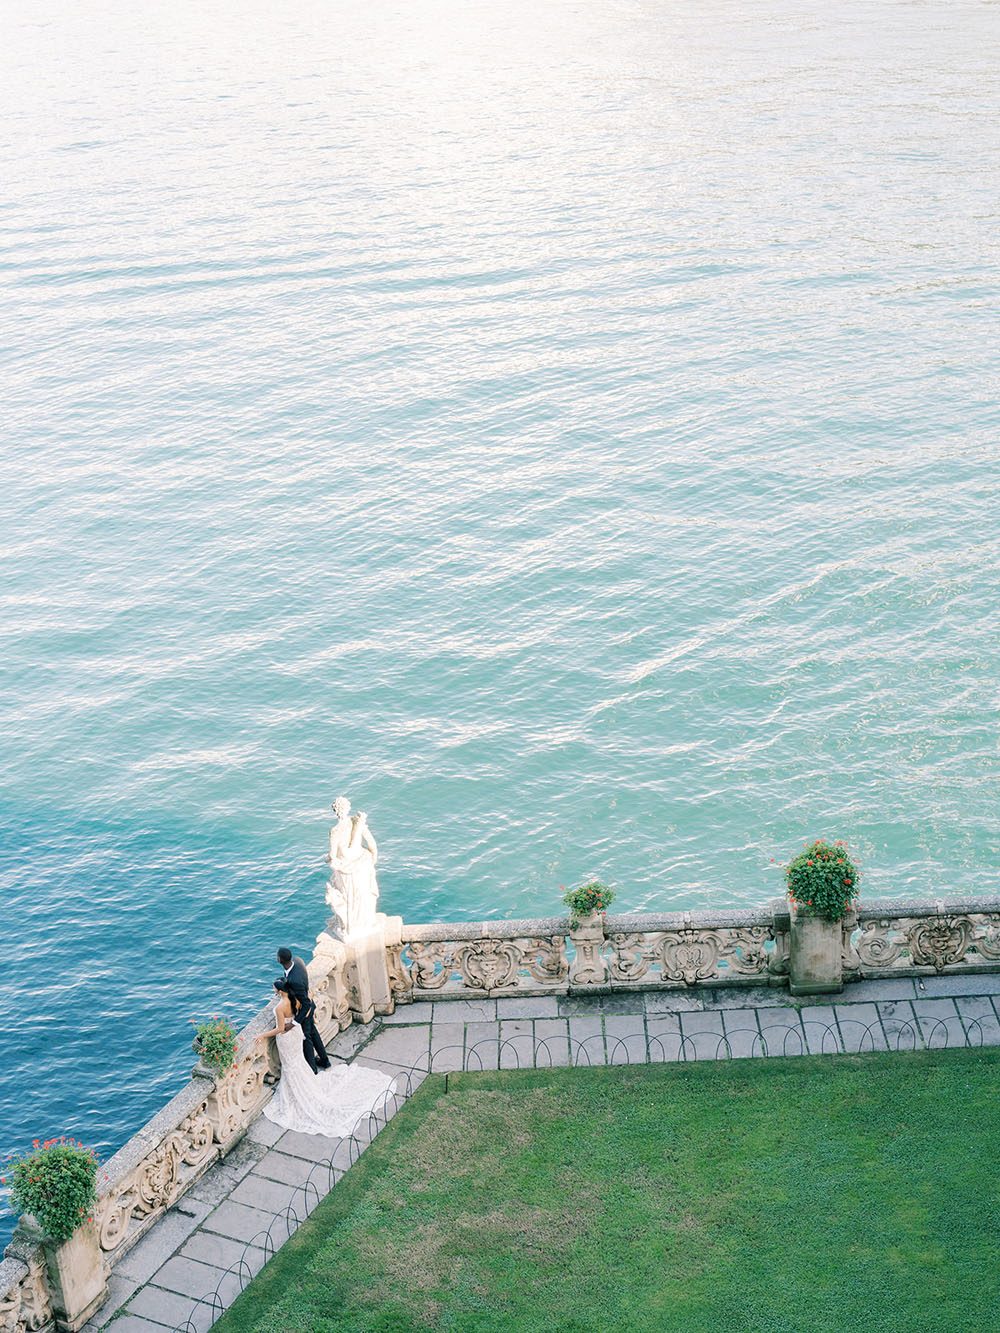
column 298, row 985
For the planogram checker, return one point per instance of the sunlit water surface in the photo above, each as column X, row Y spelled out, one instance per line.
column 567, row 429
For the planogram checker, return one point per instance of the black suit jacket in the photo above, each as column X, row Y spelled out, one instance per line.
column 298, row 982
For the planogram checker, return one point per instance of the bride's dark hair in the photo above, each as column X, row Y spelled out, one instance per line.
column 282, row 985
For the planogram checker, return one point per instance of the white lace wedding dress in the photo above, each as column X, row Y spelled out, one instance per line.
column 330, row 1102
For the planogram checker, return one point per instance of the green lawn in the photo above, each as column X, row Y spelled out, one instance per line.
column 846, row 1194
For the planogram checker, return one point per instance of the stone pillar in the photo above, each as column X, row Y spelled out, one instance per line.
column 367, row 972
column 816, row 962
column 588, row 968
column 74, row 1271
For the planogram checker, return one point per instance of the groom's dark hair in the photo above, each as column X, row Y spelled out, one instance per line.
column 284, row 956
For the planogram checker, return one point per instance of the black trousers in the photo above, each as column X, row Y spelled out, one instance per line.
column 312, row 1043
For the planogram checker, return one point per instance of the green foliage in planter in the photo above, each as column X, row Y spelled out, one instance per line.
column 587, row 899
column 823, row 879
column 215, row 1042
column 55, row 1183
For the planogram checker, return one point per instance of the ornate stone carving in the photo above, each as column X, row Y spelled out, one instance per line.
column 692, row 955
column 986, row 936
column 689, row 955
column 431, row 965
column 237, row 1094
column 328, row 985
column 26, row 1307
column 482, row 964
column 589, row 967
column 631, row 957
column 745, row 950
column 158, row 1180
column 545, row 958
column 875, row 947
column 937, row 941
column 941, row 942
column 400, row 981
column 489, row 964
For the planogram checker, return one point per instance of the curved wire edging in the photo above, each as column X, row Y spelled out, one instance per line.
column 848, row 1036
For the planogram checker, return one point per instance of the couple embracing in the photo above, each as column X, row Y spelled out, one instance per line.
column 332, row 1102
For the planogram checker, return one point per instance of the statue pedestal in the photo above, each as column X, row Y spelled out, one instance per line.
column 367, row 972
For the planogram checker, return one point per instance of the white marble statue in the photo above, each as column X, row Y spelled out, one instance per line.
column 353, row 890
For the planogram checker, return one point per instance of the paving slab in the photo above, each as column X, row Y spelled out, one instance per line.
column 167, row 1236
column 782, row 1032
column 704, row 1036
column 576, row 1006
column 940, row 1023
column 344, row 1045
column 979, row 1018
column 551, row 1042
column 130, row 1323
column 663, row 1037
column 899, row 1024
column 982, row 983
column 222, row 1252
column 189, row 1277
column 742, row 1033
column 216, row 1183
column 586, row 1040
column 673, row 1001
column 625, row 1039
column 530, row 1006
column 241, row 1223
column 264, row 1132
column 517, row 1044
column 170, row 1308
column 313, row 1147
column 420, row 1011
column 745, row 997
column 860, row 1027
column 448, row 1046
column 407, row 1047
column 269, row 1196
column 120, row 1291
column 464, row 1011
column 482, row 1043
column 819, row 1023
column 280, row 1166
column 878, row 988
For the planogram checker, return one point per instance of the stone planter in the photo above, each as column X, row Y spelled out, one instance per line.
column 74, row 1273
column 816, row 961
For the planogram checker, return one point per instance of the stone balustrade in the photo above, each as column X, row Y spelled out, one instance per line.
column 205, row 1119
column 914, row 937
column 25, row 1306
column 553, row 956
column 547, row 956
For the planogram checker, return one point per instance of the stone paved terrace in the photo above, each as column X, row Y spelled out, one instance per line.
column 214, row 1239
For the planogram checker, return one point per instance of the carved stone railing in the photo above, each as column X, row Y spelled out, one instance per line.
column 206, row 1118
column 548, row 956
column 663, row 951
column 24, row 1297
column 920, row 937
column 172, row 1151
column 625, row 952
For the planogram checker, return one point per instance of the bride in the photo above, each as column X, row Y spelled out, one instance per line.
column 330, row 1102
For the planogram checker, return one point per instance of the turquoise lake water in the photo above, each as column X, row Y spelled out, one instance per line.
column 568, row 430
